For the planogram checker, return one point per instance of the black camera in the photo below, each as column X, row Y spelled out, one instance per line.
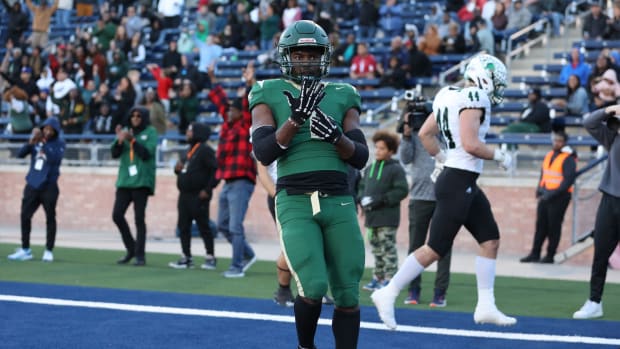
column 416, row 111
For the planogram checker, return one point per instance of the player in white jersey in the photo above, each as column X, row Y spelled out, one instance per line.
column 461, row 116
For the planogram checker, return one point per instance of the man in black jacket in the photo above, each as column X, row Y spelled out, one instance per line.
column 195, row 180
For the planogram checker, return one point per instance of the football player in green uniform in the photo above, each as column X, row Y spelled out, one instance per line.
column 312, row 129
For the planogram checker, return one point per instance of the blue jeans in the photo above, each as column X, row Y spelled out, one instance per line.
column 233, row 204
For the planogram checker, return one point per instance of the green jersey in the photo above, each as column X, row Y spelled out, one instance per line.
column 305, row 153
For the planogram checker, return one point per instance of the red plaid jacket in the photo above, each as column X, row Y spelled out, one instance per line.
column 234, row 151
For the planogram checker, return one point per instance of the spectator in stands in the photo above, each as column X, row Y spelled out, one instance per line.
column 382, row 188
column 576, row 102
column 137, row 52
column 369, row 16
column 46, row 79
column 553, row 10
column 485, row 37
column 469, row 10
column 164, row 84
column 250, row 33
column 557, row 175
column 443, row 27
column 364, row 65
column 124, row 98
column 595, row 23
column 117, row 67
column 488, row 10
column 99, row 60
column 61, row 87
column 269, row 25
column 349, row 11
column 105, row 31
column 606, row 90
column 396, row 50
column 195, row 181
column 430, row 43
column 133, row 22
column 11, row 63
column 519, row 17
column 103, row 120
column 157, row 113
column 17, row 23
column 424, row 171
column 187, row 70
column 72, row 112
column 604, row 126
column 230, row 37
column 135, row 145
column 499, row 18
column 390, row 18
column 411, row 36
column 208, row 54
column 436, row 16
column 171, row 58
column 121, row 41
column 63, row 13
column 394, row 75
column 576, row 66
column 534, row 118
column 344, row 52
column 472, row 43
column 41, row 18
column 419, row 63
column 39, row 106
column 36, row 62
column 454, row 42
column 613, row 24
column 270, row 59
column 171, row 11
column 326, row 22
column 186, row 105
column 19, row 116
column 604, row 62
column 291, row 14
column 27, row 83
column 46, row 149
column 156, row 29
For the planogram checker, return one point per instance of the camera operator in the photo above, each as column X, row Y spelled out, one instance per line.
column 422, row 194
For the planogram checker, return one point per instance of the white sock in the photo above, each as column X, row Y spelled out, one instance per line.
column 485, row 279
column 410, row 269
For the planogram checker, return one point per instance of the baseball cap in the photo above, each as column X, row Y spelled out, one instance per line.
column 26, row 70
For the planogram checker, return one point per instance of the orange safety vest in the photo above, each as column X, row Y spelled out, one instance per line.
column 552, row 171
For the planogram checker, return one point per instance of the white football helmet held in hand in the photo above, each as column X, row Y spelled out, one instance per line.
column 489, row 74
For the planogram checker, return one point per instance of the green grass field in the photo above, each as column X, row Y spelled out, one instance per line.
column 98, row 268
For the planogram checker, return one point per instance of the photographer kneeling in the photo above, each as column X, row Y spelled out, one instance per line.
column 424, row 169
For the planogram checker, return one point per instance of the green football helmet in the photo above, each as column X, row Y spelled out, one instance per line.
column 304, row 34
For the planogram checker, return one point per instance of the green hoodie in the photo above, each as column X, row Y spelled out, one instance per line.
column 386, row 182
column 138, row 172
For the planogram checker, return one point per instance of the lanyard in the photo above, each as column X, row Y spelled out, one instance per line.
column 131, row 149
column 192, row 151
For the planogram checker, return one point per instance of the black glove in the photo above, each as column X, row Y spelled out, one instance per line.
column 324, row 127
column 310, row 95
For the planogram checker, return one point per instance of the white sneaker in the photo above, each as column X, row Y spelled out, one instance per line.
column 384, row 302
column 489, row 314
column 48, row 256
column 589, row 310
column 21, row 255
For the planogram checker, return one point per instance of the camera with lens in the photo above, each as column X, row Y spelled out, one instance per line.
column 416, row 111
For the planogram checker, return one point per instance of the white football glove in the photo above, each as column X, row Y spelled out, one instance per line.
column 504, row 160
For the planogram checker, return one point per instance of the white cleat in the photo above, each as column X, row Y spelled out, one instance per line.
column 384, row 302
column 21, row 255
column 492, row 315
column 589, row 310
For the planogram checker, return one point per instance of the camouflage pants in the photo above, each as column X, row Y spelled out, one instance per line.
column 383, row 242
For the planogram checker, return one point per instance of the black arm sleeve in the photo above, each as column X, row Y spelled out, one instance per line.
column 142, row 152
column 117, row 150
column 265, row 145
column 360, row 154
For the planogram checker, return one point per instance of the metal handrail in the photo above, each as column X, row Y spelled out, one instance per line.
column 526, row 46
column 594, row 164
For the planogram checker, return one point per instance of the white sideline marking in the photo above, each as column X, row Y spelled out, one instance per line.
column 291, row 319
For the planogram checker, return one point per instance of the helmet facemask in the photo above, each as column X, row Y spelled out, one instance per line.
column 305, row 51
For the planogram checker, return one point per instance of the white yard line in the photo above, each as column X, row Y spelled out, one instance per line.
column 290, row 319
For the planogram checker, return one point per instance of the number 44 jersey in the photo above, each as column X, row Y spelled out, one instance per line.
column 449, row 102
